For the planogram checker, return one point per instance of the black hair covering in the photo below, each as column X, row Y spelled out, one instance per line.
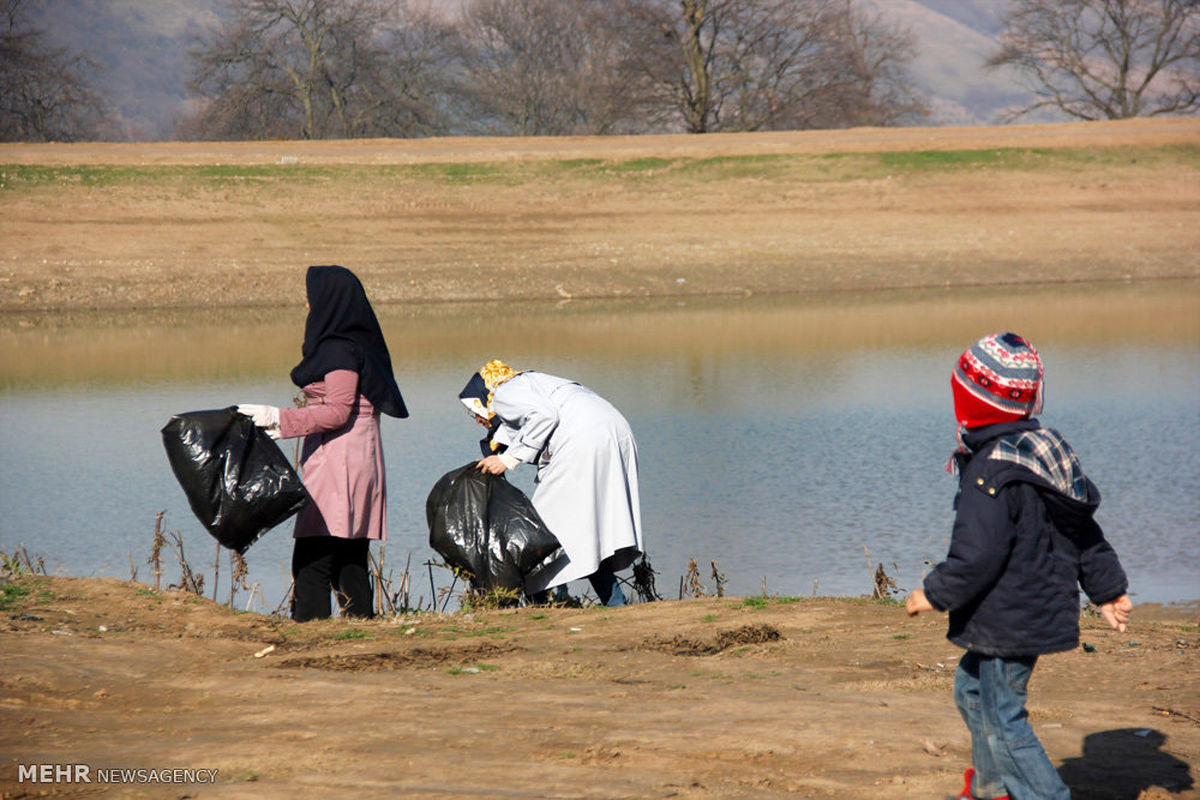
column 475, row 388
column 341, row 332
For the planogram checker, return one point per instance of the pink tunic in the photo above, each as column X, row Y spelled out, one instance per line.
column 341, row 462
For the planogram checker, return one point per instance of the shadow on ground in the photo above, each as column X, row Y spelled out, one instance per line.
column 1121, row 764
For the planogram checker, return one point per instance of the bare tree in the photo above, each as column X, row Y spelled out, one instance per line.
column 45, row 94
column 1106, row 59
column 318, row 69
column 743, row 65
column 546, row 67
column 412, row 93
column 874, row 55
column 729, row 64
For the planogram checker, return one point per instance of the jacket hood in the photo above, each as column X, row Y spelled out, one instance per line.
column 1067, row 512
column 1026, row 452
column 979, row 439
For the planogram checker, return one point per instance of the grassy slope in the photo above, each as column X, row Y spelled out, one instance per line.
column 831, row 167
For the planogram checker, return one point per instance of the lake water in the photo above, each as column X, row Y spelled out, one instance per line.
column 778, row 437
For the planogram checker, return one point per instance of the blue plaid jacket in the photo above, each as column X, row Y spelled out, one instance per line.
column 1024, row 541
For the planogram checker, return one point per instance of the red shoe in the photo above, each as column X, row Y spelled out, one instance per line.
column 965, row 792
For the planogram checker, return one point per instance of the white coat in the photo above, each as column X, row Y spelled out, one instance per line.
column 587, row 479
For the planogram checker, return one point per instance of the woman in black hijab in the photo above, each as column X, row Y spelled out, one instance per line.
column 346, row 376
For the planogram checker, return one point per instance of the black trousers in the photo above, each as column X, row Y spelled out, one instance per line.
column 321, row 564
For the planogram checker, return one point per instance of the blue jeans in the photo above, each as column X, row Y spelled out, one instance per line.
column 604, row 582
column 607, row 587
column 1007, row 756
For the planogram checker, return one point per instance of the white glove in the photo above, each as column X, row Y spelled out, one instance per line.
column 265, row 417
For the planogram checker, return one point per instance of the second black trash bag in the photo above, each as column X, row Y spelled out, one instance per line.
column 237, row 480
column 483, row 524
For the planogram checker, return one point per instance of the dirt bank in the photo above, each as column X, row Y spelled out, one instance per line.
column 467, row 149
column 175, row 225
column 711, row 698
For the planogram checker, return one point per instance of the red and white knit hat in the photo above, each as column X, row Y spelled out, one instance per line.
column 998, row 379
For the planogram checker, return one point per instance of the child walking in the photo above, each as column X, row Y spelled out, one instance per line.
column 1024, row 540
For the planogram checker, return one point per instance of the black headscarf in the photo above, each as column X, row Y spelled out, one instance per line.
column 342, row 333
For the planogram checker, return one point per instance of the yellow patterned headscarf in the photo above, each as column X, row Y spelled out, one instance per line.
column 480, row 391
column 495, row 373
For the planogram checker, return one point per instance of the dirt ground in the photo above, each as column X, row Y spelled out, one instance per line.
column 709, row 698
column 174, row 225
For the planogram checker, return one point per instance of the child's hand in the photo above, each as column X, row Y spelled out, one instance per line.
column 1117, row 612
column 915, row 603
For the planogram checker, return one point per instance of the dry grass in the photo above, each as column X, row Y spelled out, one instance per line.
column 226, row 225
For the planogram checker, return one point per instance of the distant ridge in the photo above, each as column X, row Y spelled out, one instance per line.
column 955, row 38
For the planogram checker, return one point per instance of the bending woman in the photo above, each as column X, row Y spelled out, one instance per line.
column 587, row 472
column 346, row 376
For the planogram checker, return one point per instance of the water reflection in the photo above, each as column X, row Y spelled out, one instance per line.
column 779, row 436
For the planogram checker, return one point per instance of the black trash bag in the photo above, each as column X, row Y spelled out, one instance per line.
column 483, row 524
column 237, row 480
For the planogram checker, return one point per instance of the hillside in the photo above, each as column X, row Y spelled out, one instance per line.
column 955, row 39
column 140, row 49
